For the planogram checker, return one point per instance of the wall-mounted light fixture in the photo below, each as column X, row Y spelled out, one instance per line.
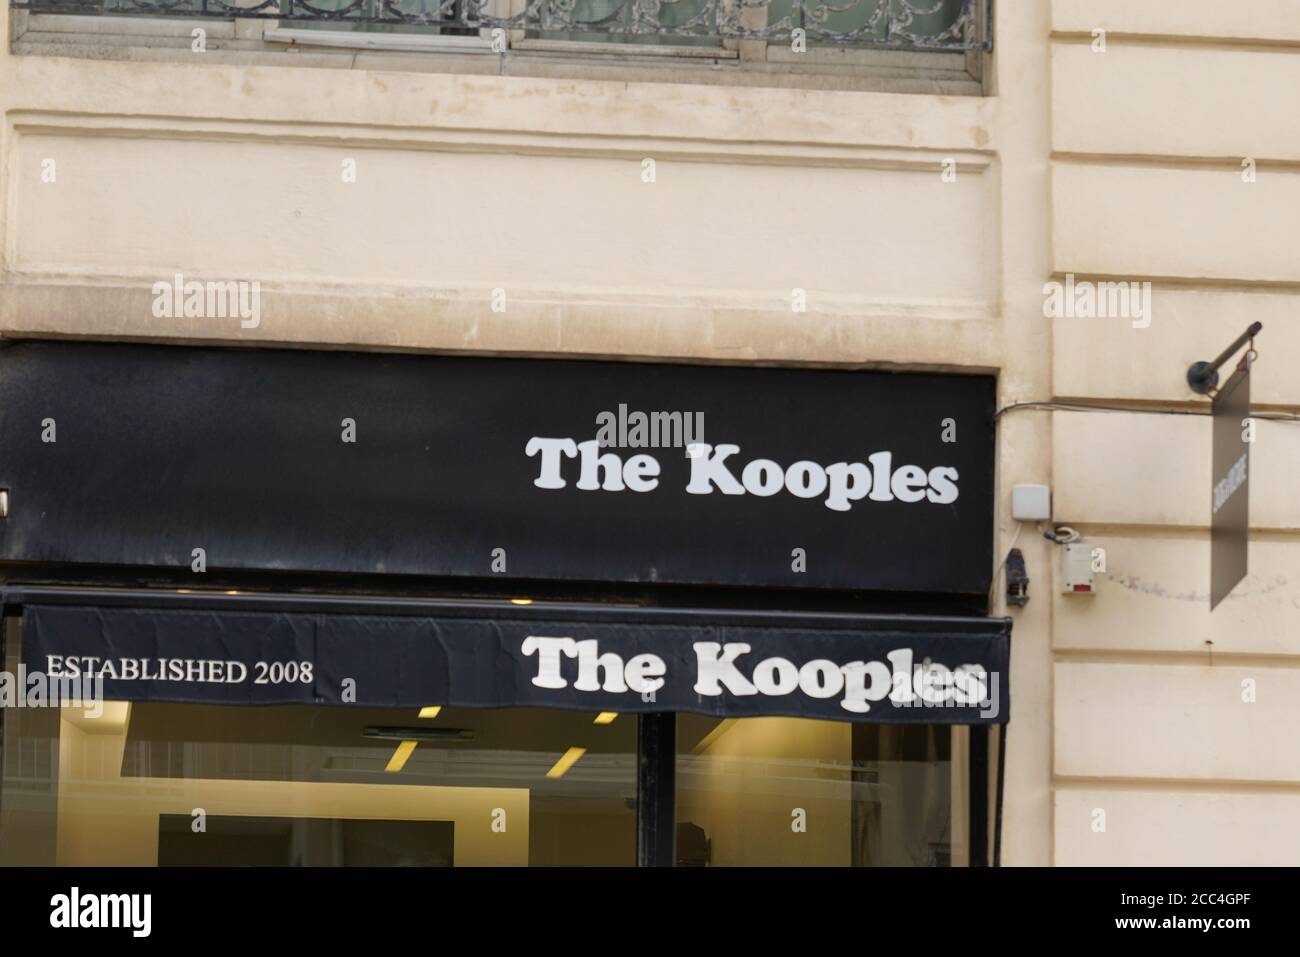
column 1203, row 377
column 1017, row 579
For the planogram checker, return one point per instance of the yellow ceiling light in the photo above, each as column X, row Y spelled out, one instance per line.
column 430, row 711
column 400, row 756
column 606, row 717
column 568, row 760
column 521, row 601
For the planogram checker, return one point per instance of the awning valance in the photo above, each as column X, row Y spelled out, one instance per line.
column 875, row 668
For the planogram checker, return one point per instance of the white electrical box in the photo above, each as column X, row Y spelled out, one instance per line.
column 1031, row 503
column 1077, row 574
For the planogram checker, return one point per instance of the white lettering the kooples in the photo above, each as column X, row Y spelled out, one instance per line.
column 857, row 683
column 720, row 669
column 839, row 484
column 641, row 674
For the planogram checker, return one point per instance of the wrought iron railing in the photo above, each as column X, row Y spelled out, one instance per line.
column 951, row 25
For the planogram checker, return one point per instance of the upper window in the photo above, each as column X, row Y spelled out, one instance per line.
column 800, row 25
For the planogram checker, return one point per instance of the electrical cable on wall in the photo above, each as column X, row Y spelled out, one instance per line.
column 1052, row 405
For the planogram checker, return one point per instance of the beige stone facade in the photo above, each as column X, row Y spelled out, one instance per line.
column 1126, row 164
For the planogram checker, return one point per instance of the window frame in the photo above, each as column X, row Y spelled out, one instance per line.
column 745, row 51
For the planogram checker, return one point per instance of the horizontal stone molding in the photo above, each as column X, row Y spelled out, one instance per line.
column 1176, row 721
column 1155, row 828
column 425, row 101
column 1206, row 224
column 1172, row 102
column 1136, row 468
column 150, row 200
column 1109, row 359
column 717, row 326
column 1268, row 21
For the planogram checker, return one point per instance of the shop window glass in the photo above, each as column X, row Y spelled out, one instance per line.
column 302, row 785
column 793, row 791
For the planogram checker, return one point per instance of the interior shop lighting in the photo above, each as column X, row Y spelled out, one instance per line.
column 568, row 760
column 400, row 756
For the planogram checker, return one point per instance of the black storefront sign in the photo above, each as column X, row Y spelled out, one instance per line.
column 317, row 462
column 881, row 669
column 1230, row 488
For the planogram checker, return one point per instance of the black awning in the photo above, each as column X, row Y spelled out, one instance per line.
column 261, row 650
